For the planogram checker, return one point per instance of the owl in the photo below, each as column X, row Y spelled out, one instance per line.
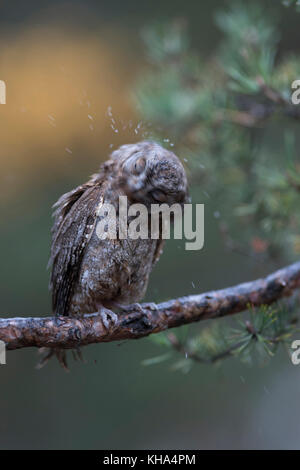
column 89, row 274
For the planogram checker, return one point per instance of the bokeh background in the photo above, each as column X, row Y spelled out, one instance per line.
column 70, row 67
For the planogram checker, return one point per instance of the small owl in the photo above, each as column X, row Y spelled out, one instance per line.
column 90, row 274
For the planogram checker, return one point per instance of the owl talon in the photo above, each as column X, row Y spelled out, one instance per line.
column 62, row 359
column 129, row 308
column 47, row 353
column 50, row 352
column 138, row 307
column 151, row 306
column 77, row 355
column 108, row 317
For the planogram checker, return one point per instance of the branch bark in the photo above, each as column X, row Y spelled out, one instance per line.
column 68, row 333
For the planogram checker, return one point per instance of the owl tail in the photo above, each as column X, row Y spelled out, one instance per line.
column 61, row 355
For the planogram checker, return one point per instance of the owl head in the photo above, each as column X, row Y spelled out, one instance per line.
column 150, row 174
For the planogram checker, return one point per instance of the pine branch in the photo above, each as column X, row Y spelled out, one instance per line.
column 68, row 333
column 248, row 334
column 180, row 347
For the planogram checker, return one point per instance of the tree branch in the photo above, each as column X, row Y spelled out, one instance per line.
column 68, row 333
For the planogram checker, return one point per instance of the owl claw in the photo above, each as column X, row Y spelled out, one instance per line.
column 77, row 355
column 151, row 306
column 137, row 306
column 62, row 359
column 129, row 308
column 49, row 352
column 108, row 317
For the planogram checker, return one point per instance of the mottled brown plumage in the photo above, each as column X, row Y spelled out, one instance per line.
column 88, row 273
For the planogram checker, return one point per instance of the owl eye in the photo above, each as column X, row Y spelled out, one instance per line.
column 139, row 166
column 158, row 195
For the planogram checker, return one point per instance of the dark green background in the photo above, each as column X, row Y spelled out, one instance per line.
column 113, row 401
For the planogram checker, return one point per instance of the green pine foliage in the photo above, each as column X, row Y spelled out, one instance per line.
column 253, row 337
column 222, row 113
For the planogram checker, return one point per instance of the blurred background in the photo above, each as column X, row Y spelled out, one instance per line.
column 71, row 70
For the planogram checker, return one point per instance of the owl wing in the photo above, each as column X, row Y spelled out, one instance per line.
column 75, row 220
